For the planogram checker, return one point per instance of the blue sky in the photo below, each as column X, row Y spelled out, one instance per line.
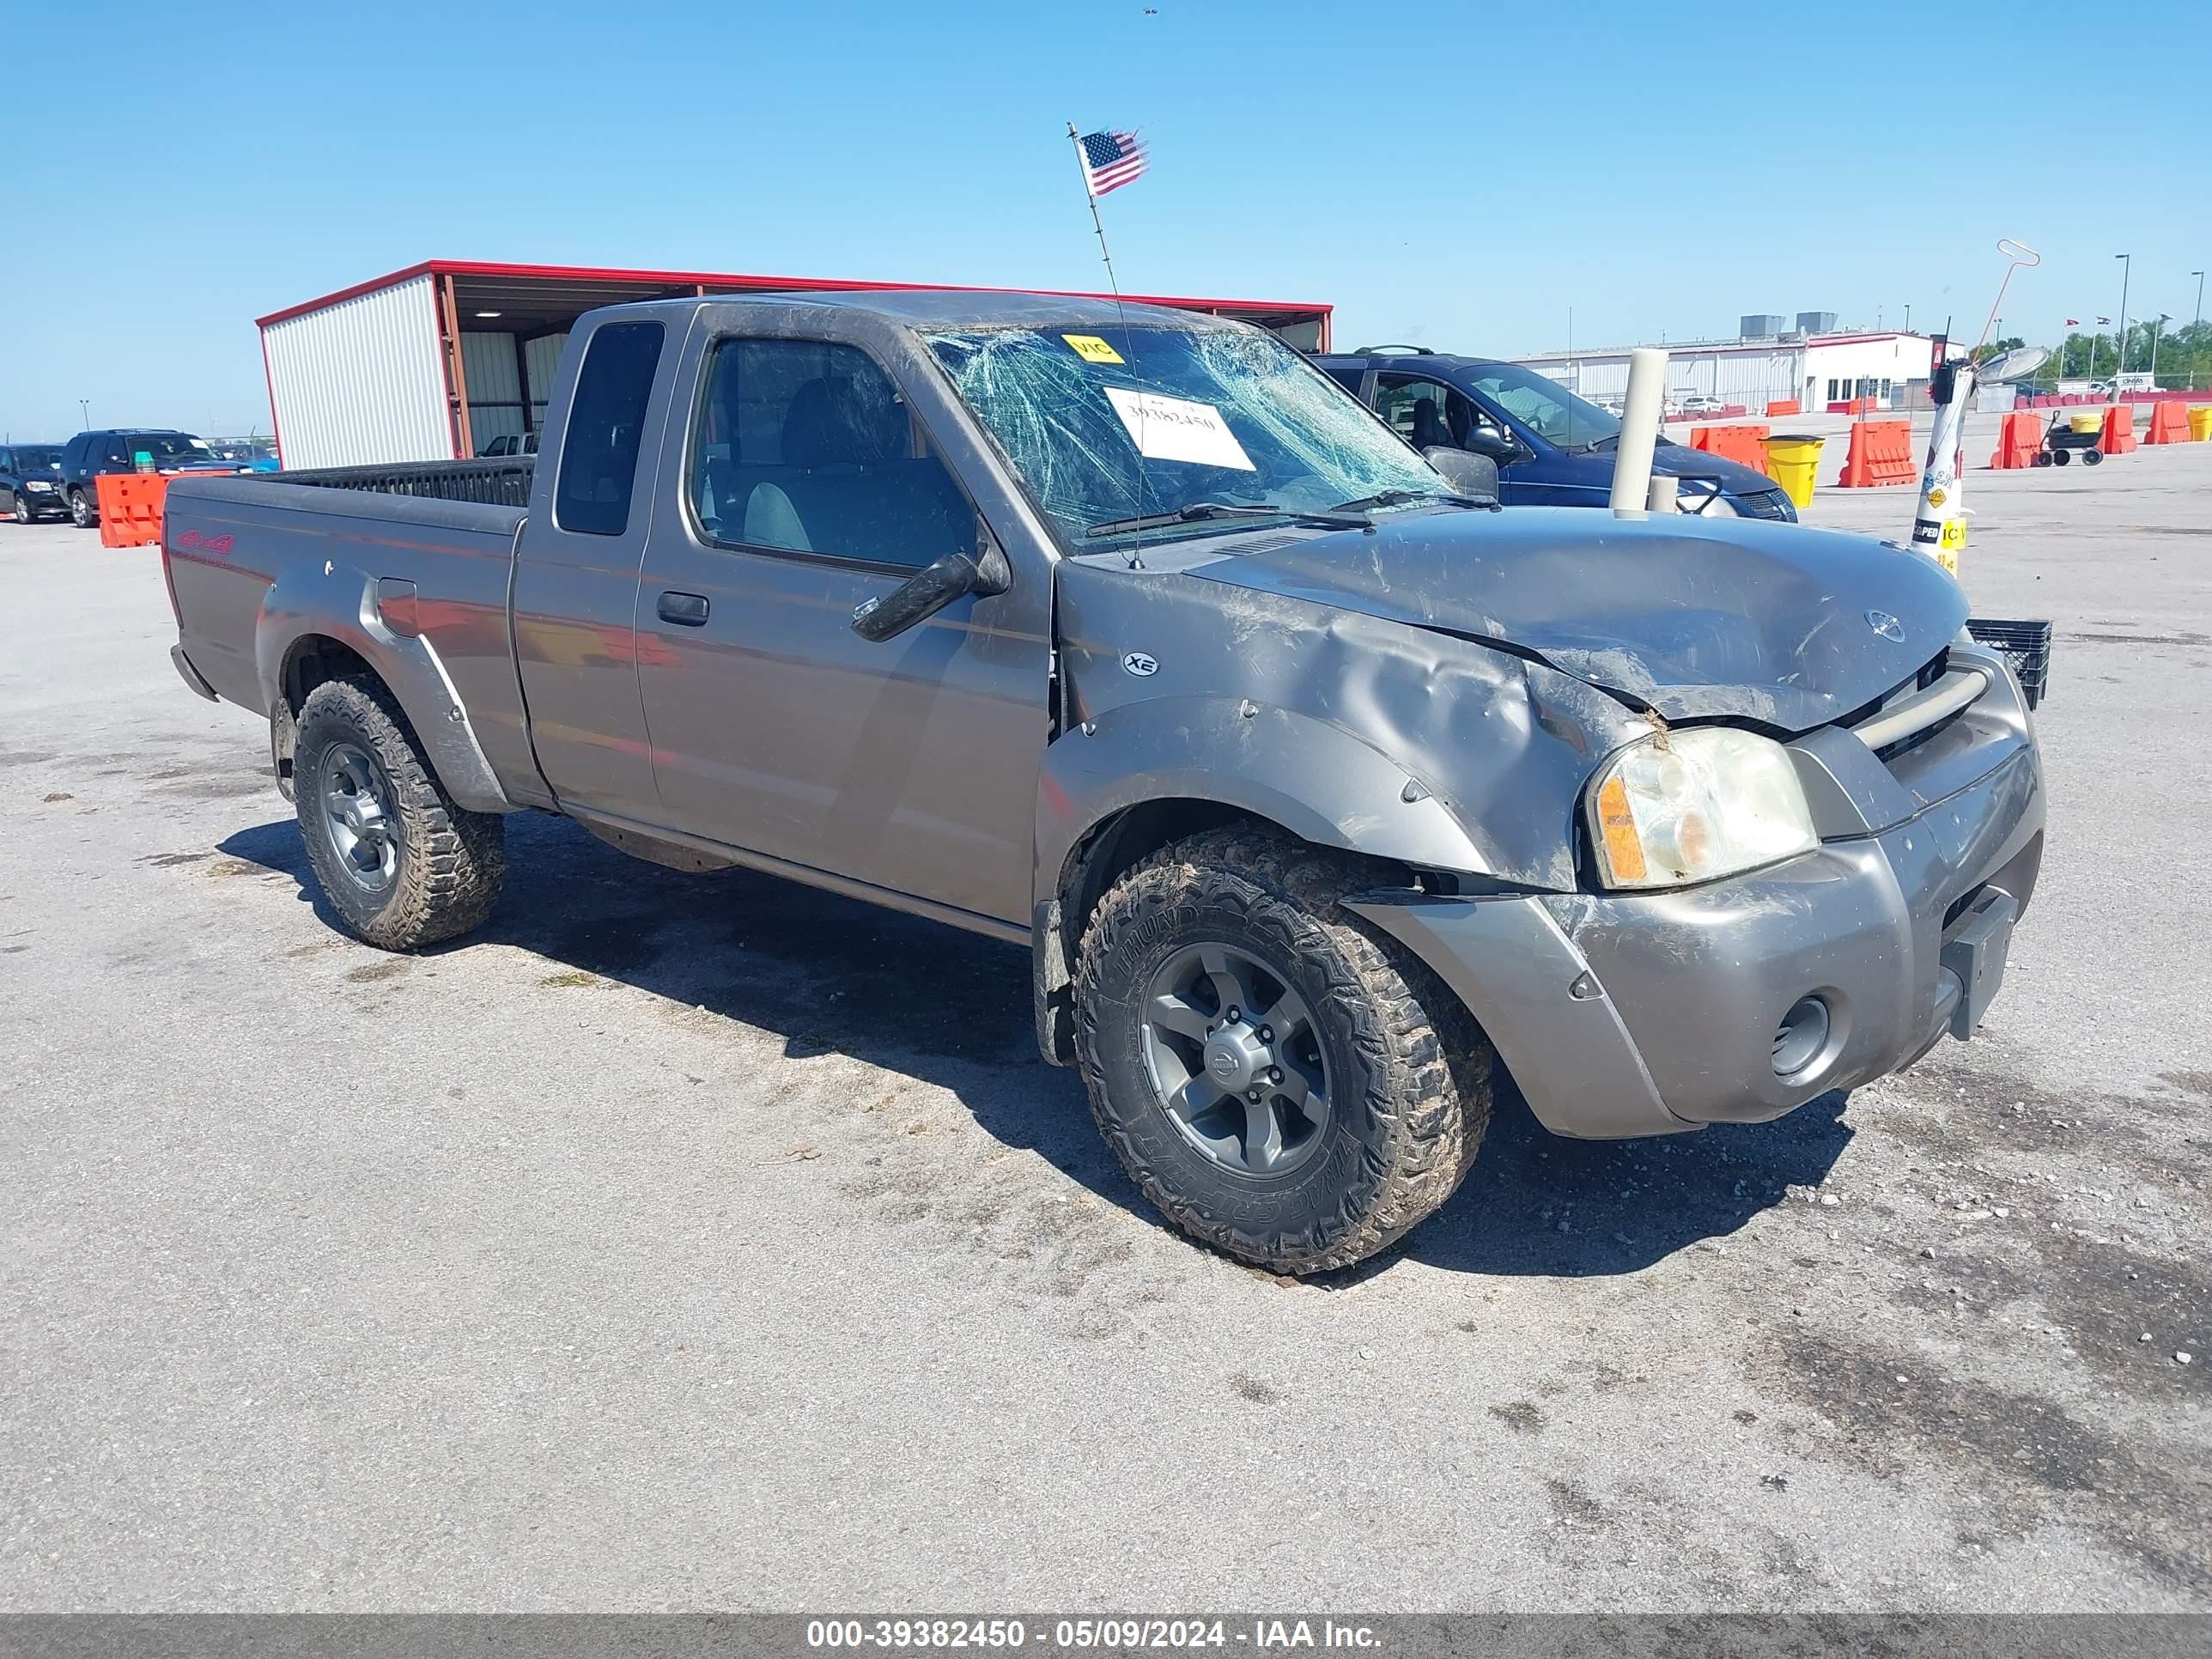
column 1459, row 174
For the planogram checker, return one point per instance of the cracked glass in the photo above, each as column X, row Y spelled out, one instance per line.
column 1065, row 411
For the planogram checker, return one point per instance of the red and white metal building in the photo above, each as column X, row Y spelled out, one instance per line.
column 434, row 362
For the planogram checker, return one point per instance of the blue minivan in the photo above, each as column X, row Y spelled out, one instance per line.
column 1552, row 449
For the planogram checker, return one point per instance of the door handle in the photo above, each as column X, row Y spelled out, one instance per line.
column 685, row 609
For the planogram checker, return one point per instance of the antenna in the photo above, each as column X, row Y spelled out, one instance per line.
column 1129, row 343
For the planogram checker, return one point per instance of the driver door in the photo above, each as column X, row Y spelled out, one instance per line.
column 810, row 486
column 1425, row 411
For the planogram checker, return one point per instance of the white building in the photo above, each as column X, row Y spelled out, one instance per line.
column 1815, row 369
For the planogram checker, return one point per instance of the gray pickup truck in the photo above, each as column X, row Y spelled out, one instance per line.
column 1318, row 787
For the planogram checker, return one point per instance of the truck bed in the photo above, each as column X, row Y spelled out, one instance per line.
column 243, row 553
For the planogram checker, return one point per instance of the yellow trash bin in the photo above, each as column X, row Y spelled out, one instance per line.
column 2088, row 421
column 2200, row 422
column 1794, row 458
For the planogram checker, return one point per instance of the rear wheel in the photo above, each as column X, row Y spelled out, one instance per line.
column 2061, row 457
column 400, row 863
column 82, row 513
column 2093, row 458
column 1285, row 1083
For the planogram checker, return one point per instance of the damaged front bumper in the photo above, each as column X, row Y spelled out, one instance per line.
column 1627, row 1014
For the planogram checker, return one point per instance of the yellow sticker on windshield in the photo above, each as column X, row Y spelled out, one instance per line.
column 1092, row 348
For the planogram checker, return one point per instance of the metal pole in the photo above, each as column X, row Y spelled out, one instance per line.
column 2127, row 269
column 2196, row 330
column 84, row 413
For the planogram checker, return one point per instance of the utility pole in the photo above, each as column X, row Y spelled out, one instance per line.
column 2196, row 330
column 2127, row 269
column 2163, row 319
column 84, row 411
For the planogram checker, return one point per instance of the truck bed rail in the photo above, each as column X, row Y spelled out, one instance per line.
column 503, row 482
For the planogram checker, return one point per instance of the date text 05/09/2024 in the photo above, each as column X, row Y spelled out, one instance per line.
column 1112, row 1634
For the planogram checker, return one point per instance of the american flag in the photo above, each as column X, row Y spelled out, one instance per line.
column 1110, row 159
column 2073, row 322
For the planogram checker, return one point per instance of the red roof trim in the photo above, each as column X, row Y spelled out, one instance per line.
column 730, row 279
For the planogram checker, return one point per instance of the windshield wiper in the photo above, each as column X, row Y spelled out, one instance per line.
column 1402, row 497
column 1335, row 518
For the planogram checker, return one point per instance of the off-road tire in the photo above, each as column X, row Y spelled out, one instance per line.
column 1410, row 1070
column 82, row 513
column 449, row 861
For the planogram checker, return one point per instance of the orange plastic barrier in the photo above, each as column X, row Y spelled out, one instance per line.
column 2020, row 440
column 1880, row 454
column 2119, row 429
column 1784, row 406
column 2169, row 422
column 130, row 508
column 1745, row 444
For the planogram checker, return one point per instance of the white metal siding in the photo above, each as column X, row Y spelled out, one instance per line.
column 494, row 384
column 544, row 354
column 359, row 383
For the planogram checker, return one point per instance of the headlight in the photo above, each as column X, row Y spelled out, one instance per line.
column 1691, row 496
column 1685, row 806
column 38, row 485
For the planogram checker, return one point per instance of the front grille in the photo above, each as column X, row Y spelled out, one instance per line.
column 1766, row 504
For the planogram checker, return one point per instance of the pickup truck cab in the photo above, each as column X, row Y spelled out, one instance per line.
column 1314, row 785
column 1551, row 447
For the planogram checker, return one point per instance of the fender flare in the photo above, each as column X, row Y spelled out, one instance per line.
column 1317, row 780
column 340, row 601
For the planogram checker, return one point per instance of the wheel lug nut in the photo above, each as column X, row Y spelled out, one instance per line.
column 1252, row 1094
column 1234, row 1015
column 1266, row 1034
column 1274, row 1074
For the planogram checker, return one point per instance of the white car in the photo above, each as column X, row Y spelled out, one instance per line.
column 512, row 443
column 1701, row 405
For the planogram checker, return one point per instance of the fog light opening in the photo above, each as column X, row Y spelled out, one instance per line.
column 1801, row 1036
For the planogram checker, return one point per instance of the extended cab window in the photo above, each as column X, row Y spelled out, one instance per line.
column 606, row 422
column 809, row 447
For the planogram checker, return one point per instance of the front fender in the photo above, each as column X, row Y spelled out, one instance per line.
column 340, row 601
column 1317, row 780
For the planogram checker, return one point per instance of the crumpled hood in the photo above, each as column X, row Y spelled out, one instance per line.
column 1736, row 618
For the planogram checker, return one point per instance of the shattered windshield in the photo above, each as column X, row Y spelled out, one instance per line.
column 1151, row 420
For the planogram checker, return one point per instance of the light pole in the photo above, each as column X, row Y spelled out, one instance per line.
column 84, row 413
column 2163, row 319
column 2127, row 269
column 2196, row 330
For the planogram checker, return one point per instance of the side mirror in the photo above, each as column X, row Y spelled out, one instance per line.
column 1475, row 477
column 1499, row 446
column 930, row 589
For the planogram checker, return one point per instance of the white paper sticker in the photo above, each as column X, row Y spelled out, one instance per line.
column 1177, row 430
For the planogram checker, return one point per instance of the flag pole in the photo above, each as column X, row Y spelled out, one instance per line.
column 1128, row 344
column 1083, row 166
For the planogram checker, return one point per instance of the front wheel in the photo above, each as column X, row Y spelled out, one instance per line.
column 82, row 513
column 2093, row 458
column 399, row 862
column 1287, row 1084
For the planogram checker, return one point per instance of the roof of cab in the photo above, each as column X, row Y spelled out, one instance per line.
column 959, row 308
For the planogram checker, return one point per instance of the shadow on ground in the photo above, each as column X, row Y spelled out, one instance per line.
column 828, row 975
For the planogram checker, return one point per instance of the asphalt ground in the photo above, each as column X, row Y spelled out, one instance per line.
column 710, row 1241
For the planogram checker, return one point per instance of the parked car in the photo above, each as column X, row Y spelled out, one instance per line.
column 1551, row 447
column 510, row 443
column 31, row 482
column 1698, row 404
column 89, row 454
column 1314, row 785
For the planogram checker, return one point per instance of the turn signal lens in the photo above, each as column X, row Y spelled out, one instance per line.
column 1623, row 850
